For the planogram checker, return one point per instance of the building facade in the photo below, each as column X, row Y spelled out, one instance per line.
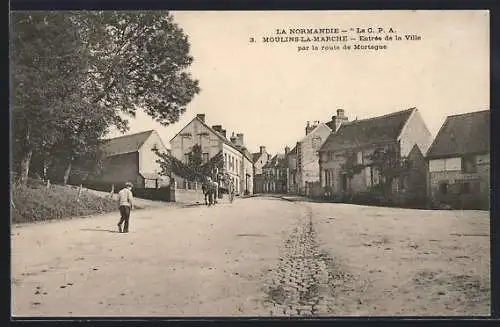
column 259, row 160
column 238, row 164
column 275, row 175
column 131, row 158
column 291, row 161
column 459, row 162
column 307, row 155
column 354, row 144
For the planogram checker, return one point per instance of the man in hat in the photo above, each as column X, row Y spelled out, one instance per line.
column 125, row 198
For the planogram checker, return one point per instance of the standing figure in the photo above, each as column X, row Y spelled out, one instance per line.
column 125, row 198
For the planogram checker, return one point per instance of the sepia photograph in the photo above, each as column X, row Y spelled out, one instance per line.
column 250, row 163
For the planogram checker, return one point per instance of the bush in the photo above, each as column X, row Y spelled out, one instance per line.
column 39, row 203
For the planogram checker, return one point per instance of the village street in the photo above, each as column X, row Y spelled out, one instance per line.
column 257, row 256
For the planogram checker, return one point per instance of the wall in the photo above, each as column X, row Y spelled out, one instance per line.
column 210, row 143
column 359, row 182
column 120, row 169
column 248, row 169
column 259, row 163
column 147, row 158
column 415, row 132
column 477, row 198
column 309, row 166
column 187, row 196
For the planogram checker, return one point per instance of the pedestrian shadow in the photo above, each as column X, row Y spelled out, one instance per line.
column 99, row 230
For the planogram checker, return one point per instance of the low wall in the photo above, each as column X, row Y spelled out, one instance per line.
column 187, row 196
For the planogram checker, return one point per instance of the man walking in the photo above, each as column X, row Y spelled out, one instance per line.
column 125, row 199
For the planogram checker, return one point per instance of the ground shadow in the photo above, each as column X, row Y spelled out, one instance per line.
column 98, row 230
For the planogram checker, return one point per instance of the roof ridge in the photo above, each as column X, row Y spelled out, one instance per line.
column 469, row 113
column 379, row 117
column 128, row 135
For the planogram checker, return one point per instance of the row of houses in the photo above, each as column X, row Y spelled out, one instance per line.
column 333, row 158
column 342, row 157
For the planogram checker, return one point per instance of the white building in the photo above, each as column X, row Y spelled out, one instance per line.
column 213, row 140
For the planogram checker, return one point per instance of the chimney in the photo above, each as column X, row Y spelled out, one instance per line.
column 217, row 128
column 310, row 127
column 239, row 136
column 201, row 117
column 339, row 119
column 233, row 139
column 223, row 132
column 262, row 149
column 287, row 150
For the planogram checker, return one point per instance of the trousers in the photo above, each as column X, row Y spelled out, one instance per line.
column 125, row 216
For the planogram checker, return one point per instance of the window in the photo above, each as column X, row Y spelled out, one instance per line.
column 360, row 158
column 443, row 187
column 468, row 165
column 154, row 148
column 225, row 160
column 205, row 157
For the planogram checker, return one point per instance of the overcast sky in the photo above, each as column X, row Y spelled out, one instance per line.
column 268, row 91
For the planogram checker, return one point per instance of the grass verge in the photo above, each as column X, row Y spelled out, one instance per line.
column 38, row 203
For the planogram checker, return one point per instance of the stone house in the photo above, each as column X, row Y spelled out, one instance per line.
column 459, row 162
column 213, row 140
column 404, row 131
column 307, row 155
column 259, row 160
column 275, row 174
column 132, row 158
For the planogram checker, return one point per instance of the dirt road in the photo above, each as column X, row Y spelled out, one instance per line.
column 257, row 256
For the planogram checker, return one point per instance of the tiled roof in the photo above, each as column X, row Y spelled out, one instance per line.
column 364, row 132
column 256, row 156
column 462, row 134
column 277, row 160
column 125, row 144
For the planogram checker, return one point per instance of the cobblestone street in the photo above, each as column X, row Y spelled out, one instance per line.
column 255, row 257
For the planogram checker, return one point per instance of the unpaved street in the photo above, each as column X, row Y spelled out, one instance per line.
column 257, row 256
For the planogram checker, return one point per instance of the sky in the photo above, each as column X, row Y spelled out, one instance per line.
column 268, row 91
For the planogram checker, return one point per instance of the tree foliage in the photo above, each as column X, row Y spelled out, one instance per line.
column 195, row 169
column 75, row 75
column 390, row 166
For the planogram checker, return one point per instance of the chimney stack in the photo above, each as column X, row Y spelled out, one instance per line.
column 239, row 137
column 223, row 132
column 310, row 127
column 338, row 120
column 201, row 117
column 217, row 128
column 262, row 149
column 233, row 139
column 287, row 150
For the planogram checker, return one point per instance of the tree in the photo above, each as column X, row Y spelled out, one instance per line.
column 390, row 166
column 139, row 60
column 351, row 167
column 45, row 60
column 74, row 75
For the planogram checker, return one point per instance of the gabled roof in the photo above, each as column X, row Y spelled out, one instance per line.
column 277, row 161
column 125, row 144
column 219, row 135
column 364, row 132
column 314, row 130
column 462, row 134
column 256, row 156
column 293, row 151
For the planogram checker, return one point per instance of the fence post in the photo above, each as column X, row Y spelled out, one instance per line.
column 112, row 191
column 48, row 184
column 79, row 193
